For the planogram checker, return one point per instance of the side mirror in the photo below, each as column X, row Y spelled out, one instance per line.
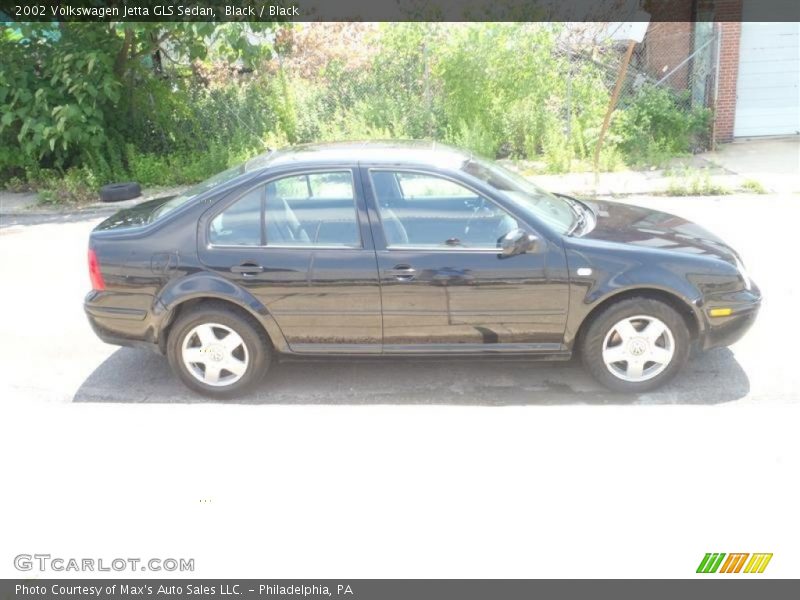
column 517, row 242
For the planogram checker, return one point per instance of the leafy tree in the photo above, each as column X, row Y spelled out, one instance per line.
column 61, row 84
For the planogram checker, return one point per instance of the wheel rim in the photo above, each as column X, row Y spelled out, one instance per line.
column 215, row 354
column 638, row 348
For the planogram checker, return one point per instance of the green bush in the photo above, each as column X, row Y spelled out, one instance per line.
column 475, row 137
column 657, row 125
column 178, row 168
column 76, row 185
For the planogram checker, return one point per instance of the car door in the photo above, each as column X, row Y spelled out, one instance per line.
column 444, row 284
column 301, row 244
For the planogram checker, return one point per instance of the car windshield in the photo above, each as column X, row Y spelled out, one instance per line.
column 212, row 182
column 554, row 211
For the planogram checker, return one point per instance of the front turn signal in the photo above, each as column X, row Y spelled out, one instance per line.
column 720, row 312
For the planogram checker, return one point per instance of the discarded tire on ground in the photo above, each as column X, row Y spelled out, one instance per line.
column 114, row 192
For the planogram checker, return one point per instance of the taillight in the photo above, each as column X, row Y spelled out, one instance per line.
column 94, row 272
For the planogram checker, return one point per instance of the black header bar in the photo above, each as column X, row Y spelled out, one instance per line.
column 399, row 10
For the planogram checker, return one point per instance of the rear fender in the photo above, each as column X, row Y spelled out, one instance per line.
column 208, row 286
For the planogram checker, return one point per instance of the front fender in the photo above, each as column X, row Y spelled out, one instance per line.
column 599, row 277
column 212, row 286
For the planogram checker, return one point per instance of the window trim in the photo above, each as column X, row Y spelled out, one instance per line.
column 394, row 248
column 264, row 242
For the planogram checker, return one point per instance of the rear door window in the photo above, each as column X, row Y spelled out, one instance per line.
column 311, row 209
column 240, row 223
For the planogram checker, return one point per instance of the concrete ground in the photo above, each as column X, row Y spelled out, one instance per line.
column 774, row 162
column 26, row 205
column 397, row 469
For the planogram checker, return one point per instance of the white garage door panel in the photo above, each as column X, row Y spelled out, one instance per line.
column 768, row 86
column 766, row 121
column 771, row 97
column 767, row 67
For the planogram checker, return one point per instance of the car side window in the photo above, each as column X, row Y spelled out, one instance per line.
column 312, row 209
column 240, row 223
column 424, row 210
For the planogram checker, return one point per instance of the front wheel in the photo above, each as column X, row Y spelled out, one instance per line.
column 635, row 345
column 217, row 351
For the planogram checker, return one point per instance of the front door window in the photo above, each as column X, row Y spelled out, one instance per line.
column 420, row 210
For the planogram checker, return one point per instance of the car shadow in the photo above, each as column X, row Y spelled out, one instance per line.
column 138, row 376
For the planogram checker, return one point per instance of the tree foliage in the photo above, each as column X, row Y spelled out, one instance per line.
column 62, row 85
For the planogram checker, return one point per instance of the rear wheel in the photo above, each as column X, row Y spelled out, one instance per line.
column 217, row 351
column 635, row 345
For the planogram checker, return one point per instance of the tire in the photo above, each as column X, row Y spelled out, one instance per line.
column 204, row 333
column 115, row 192
column 647, row 361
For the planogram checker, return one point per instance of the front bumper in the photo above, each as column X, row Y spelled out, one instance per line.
column 724, row 331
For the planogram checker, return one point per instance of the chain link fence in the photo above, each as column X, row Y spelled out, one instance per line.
column 670, row 83
column 680, row 57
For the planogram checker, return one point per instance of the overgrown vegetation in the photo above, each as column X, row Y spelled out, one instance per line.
column 164, row 104
column 754, row 186
column 696, row 182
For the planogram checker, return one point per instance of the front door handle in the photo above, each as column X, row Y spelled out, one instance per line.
column 402, row 272
column 247, row 269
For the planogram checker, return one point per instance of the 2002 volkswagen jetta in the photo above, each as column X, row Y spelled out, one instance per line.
column 407, row 249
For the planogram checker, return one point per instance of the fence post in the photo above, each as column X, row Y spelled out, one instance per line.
column 427, row 87
column 623, row 69
column 717, row 49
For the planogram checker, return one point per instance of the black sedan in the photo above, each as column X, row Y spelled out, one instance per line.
column 390, row 249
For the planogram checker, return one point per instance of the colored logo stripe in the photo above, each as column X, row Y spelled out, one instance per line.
column 710, row 562
column 733, row 564
column 758, row 563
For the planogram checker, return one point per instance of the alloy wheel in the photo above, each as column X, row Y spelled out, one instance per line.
column 215, row 354
column 638, row 348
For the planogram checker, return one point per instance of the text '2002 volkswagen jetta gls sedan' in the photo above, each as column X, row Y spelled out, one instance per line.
column 407, row 249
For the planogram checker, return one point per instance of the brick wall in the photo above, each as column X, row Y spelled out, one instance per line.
column 729, row 13
column 670, row 39
column 665, row 47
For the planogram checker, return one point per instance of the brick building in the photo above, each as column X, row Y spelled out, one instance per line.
column 756, row 83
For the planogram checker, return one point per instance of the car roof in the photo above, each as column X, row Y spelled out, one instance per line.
column 373, row 152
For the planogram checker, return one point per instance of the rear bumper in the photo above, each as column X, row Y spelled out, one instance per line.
column 122, row 319
column 724, row 331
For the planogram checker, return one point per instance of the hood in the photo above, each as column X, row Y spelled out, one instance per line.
column 136, row 216
column 639, row 226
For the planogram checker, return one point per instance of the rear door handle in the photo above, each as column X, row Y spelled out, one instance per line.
column 402, row 272
column 247, row 269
